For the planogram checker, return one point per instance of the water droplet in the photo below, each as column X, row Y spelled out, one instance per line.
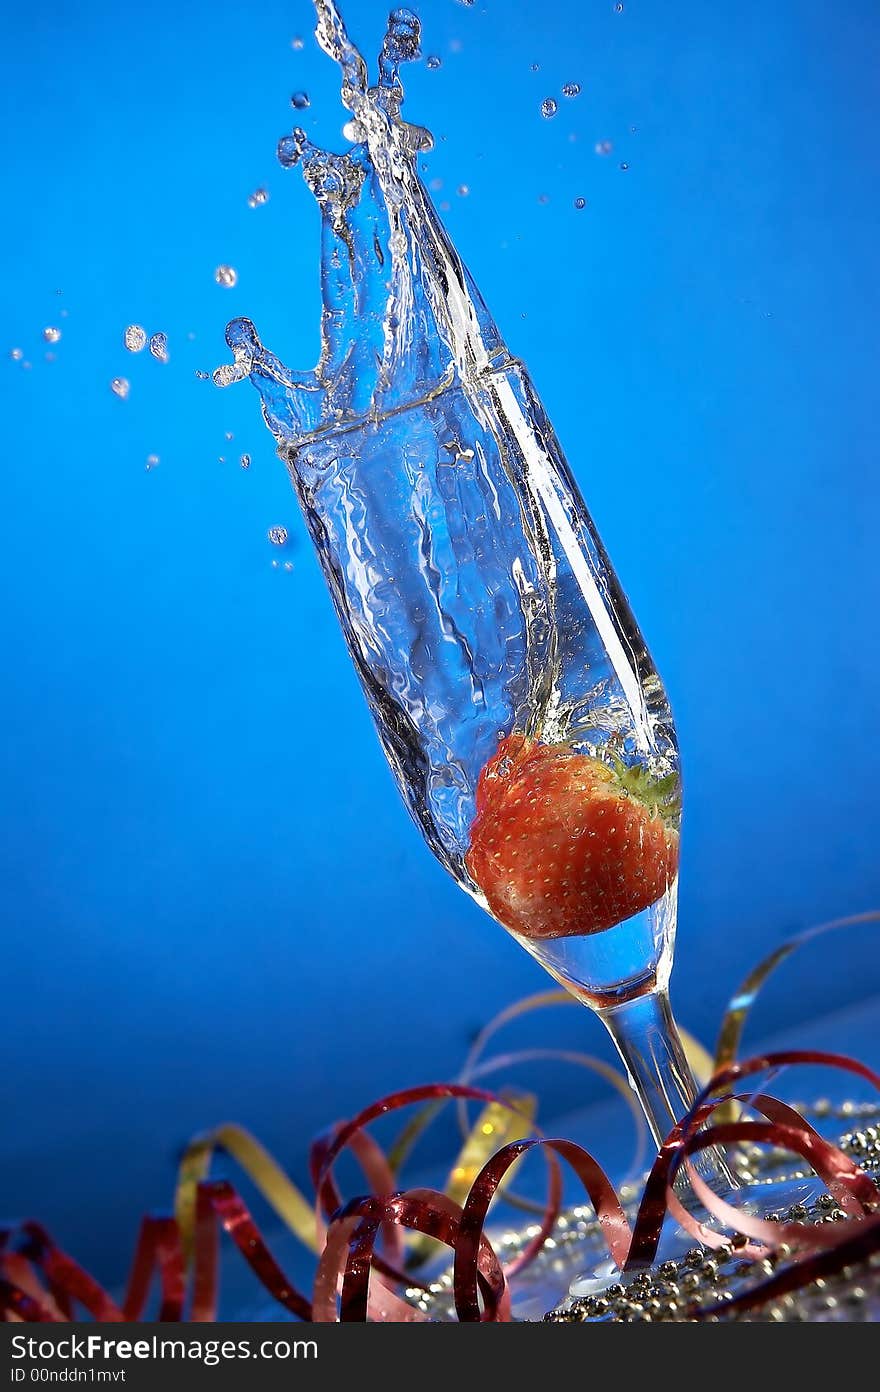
column 536, row 67
column 51, row 334
column 16, row 354
column 580, row 202
column 297, row 44
column 120, row 386
column 152, row 461
column 624, row 166
column 228, row 435
column 203, row 376
column 463, row 190
column 258, row 198
column 277, row 535
column 571, row 89
column 549, row 108
column 288, row 565
column 221, row 458
column 289, row 151
column 159, row 347
column 227, row 276
column 245, row 461
column 603, row 147
column 618, row 8
column 134, row 338
column 300, row 100
column 227, row 373
column 433, row 62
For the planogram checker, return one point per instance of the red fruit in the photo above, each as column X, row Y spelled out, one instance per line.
column 564, row 845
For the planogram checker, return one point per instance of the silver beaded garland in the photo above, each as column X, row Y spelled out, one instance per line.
column 702, row 1278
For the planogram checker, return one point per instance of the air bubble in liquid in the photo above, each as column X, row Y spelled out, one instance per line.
column 433, row 62
column 277, row 535
column 549, row 107
column 120, row 386
column 571, row 89
column 300, row 100
column 227, row 276
column 51, row 334
column 258, row 198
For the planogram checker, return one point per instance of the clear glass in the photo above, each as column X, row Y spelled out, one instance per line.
column 479, row 605
column 520, row 711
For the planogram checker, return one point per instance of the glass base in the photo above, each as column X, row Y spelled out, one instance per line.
column 770, row 1199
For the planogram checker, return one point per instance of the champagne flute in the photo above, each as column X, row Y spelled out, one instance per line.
column 523, row 719
column 517, row 704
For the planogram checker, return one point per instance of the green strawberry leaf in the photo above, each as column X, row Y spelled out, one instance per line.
column 662, row 796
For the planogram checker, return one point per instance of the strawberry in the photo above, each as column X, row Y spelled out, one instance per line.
column 565, row 845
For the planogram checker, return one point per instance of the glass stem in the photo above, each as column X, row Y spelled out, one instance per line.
column 648, row 1041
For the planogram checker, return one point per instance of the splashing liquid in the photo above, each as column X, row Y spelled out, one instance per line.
column 475, row 597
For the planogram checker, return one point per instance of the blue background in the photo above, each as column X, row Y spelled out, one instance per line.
column 214, row 905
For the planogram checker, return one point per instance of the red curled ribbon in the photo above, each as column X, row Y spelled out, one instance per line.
column 354, row 1281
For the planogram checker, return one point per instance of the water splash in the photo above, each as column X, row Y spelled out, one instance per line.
column 472, row 590
column 400, row 312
